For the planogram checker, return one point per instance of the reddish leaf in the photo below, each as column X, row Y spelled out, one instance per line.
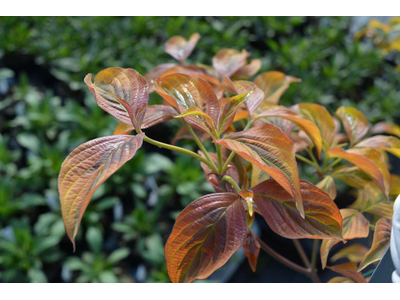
column 354, row 253
column 157, row 72
column 256, row 96
column 251, row 248
column 228, row 111
column 122, row 93
column 351, row 175
column 354, row 122
column 380, row 243
column 249, row 70
column 386, row 127
column 271, row 150
column 86, row 168
column 179, row 48
column 322, row 217
column 227, row 61
column 307, row 126
column 388, row 143
column 319, row 116
column 274, row 84
column 350, row 271
column 370, row 161
column 123, row 129
column 192, row 71
column 355, row 225
column 328, row 185
column 205, row 235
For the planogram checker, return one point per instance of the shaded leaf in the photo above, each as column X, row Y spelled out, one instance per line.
column 86, row 168
column 227, row 61
column 386, row 127
column 354, row 253
column 351, row 175
column 328, row 185
column 251, row 248
column 271, row 150
column 179, row 48
column 350, row 271
column 354, row 122
column 340, row 279
column 123, row 93
column 228, row 111
column 322, row 217
column 380, row 244
column 388, row 143
column 249, row 70
column 205, row 235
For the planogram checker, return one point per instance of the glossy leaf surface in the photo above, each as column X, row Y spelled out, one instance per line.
column 271, row 150
column 354, row 122
column 86, row 168
column 322, row 217
column 205, row 235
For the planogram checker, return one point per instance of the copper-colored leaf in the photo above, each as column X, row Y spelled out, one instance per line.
column 228, row 111
column 249, row 70
column 395, row 185
column 192, row 71
column 271, row 150
column 370, row 161
column 353, row 253
column 354, row 122
column 328, row 185
column 340, row 279
column 388, row 143
column 386, row 127
column 179, row 48
column 122, row 93
column 380, row 244
column 205, row 235
column 322, row 217
column 307, row 126
column 351, row 175
column 350, row 271
column 227, row 61
column 123, row 129
column 319, row 116
column 251, row 248
column 274, row 84
column 152, row 76
column 86, row 168
column 355, row 225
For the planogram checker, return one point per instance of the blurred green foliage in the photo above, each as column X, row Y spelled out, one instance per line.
column 46, row 111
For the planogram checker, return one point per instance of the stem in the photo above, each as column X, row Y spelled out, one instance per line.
column 228, row 160
column 220, row 161
column 232, row 182
column 200, row 145
column 332, row 164
column 302, row 253
column 181, row 150
column 314, row 255
column 302, row 158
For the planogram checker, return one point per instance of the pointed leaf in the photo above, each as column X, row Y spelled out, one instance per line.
column 179, row 48
column 249, row 70
column 228, row 111
column 274, row 84
column 353, row 253
column 123, row 93
column 271, row 150
column 351, row 175
column 370, row 161
column 322, row 217
column 227, row 61
column 251, row 248
column 123, row 129
column 350, row 271
column 205, row 235
column 152, row 76
column 388, row 143
column 86, row 168
column 386, row 127
column 354, row 122
column 319, row 116
column 254, row 99
column 380, row 244
column 328, row 185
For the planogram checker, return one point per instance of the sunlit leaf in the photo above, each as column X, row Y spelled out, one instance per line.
column 354, row 122
column 123, row 129
column 350, row 271
column 386, row 127
column 355, row 225
column 205, row 235
column 380, row 244
column 179, row 48
column 388, row 143
column 86, row 168
column 249, row 70
column 192, row 71
column 274, row 84
column 155, row 73
column 227, row 61
column 353, row 253
column 228, row 111
column 122, row 93
column 370, row 161
column 251, row 248
column 271, row 150
column 322, row 217
column 328, row 185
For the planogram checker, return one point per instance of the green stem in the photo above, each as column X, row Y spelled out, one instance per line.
column 314, row 255
column 302, row 158
column 200, row 145
column 220, row 161
column 181, row 150
column 332, row 164
column 228, row 160
column 232, row 182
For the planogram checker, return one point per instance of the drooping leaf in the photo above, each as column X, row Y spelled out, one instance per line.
column 353, row 253
column 307, row 126
column 328, row 185
column 205, row 235
column 388, row 143
column 249, row 70
column 123, row 93
column 354, row 122
column 351, row 175
column 228, row 111
column 350, row 271
column 322, row 217
column 370, row 161
column 271, row 150
column 251, row 248
column 386, row 127
column 380, row 244
column 184, row 91
column 86, row 168
column 319, row 116
column 355, row 225
column 179, row 48
column 227, row 61
column 274, row 84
